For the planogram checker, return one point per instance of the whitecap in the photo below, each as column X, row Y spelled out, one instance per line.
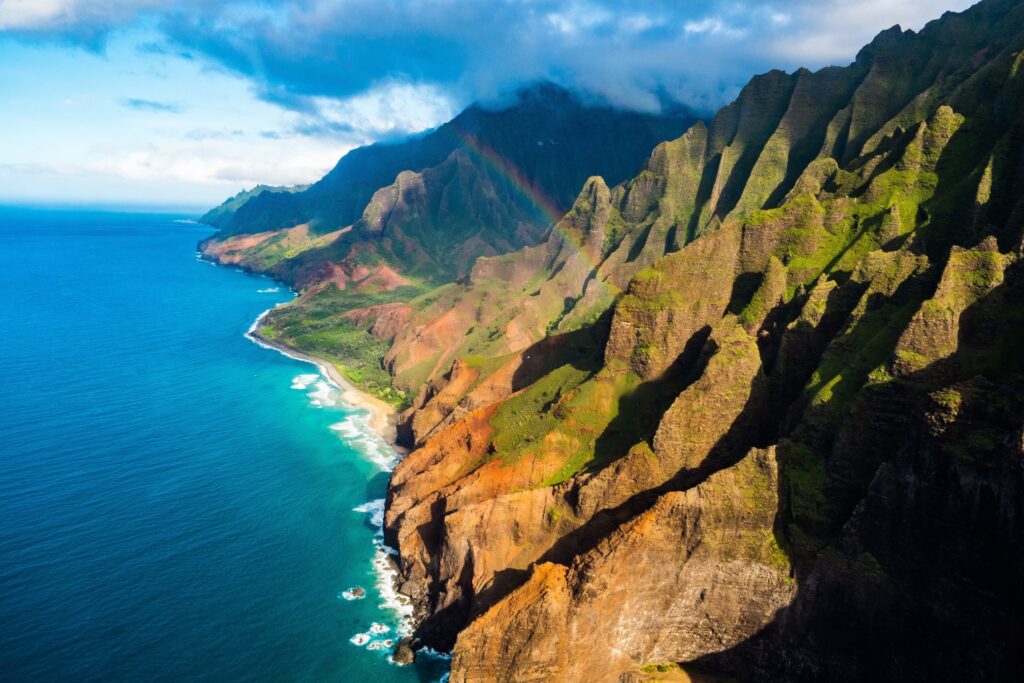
column 377, row 628
column 268, row 290
column 360, row 639
column 387, row 577
column 377, row 645
column 322, row 396
column 301, row 382
column 375, row 508
column 348, row 429
column 355, row 429
column 357, row 433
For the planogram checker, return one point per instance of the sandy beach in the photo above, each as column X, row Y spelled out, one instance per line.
column 383, row 415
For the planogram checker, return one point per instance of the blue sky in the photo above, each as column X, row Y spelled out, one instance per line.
column 184, row 102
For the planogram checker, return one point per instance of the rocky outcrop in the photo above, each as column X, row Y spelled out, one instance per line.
column 384, row 321
column 696, row 573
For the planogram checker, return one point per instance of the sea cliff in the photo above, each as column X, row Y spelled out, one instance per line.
column 754, row 411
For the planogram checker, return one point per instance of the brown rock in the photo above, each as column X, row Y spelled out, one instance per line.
column 404, row 653
column 697, row 573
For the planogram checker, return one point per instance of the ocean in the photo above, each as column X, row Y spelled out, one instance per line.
column 176, row 502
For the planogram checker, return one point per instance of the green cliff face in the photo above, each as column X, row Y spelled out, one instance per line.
column 780, row 366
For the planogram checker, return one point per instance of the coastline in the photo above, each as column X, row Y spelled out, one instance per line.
column 383, row 415
column 382, row 421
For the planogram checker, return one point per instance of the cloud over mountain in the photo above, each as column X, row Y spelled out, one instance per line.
column 296, row 51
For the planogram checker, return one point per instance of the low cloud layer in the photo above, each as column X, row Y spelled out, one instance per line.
column 297, row 51
column 130, row 99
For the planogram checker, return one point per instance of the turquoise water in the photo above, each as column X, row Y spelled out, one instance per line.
column 174, row 505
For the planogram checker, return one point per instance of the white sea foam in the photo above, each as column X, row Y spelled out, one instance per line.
column 386, row 571
column 428, row 653
column 256, row 323
column 377, row 645
column 375, row 508
column 355, row 428
column 301, row 382
column 391, row 599
column 268, row 290
column 252, row 328
column 323, row 394
column 356, row 431
column 352, row 593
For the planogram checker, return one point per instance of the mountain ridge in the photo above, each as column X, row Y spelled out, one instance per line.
column 826, row 312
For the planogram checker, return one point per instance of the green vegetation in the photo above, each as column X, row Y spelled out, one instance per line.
column 805, row 481
column 681, row 673
column 524, row 420
column 317, row 325
column 564, row 416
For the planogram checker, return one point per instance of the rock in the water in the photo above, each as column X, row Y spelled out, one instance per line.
column 404, row 652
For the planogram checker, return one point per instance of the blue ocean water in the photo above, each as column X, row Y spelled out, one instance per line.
column 173, row 503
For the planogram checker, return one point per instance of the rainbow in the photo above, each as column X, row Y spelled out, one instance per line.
column 528, row 190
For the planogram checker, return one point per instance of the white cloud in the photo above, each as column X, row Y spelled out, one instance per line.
column 390, row 108
column 714, row 26
column 638, row 23
column 18, row 14
column 276, row 92
column 31, row 15
column 832, row 31
column 578, row 18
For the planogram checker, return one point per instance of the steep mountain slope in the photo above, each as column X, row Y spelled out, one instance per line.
column 221, row 216
column 489, row 181
column 757, row 409
column 392, row 221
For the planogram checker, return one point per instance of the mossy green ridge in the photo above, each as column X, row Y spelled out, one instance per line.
column 768, row 170
column 828, row 273
column 424, row 210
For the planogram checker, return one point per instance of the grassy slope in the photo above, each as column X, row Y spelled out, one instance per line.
column 317, row 325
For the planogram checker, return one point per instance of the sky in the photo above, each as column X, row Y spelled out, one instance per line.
column 186, row 102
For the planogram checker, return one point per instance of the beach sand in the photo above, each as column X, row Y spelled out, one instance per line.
column 383, row 415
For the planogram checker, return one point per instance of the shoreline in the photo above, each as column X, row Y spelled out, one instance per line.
column 383, row 419
column 383, row 415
